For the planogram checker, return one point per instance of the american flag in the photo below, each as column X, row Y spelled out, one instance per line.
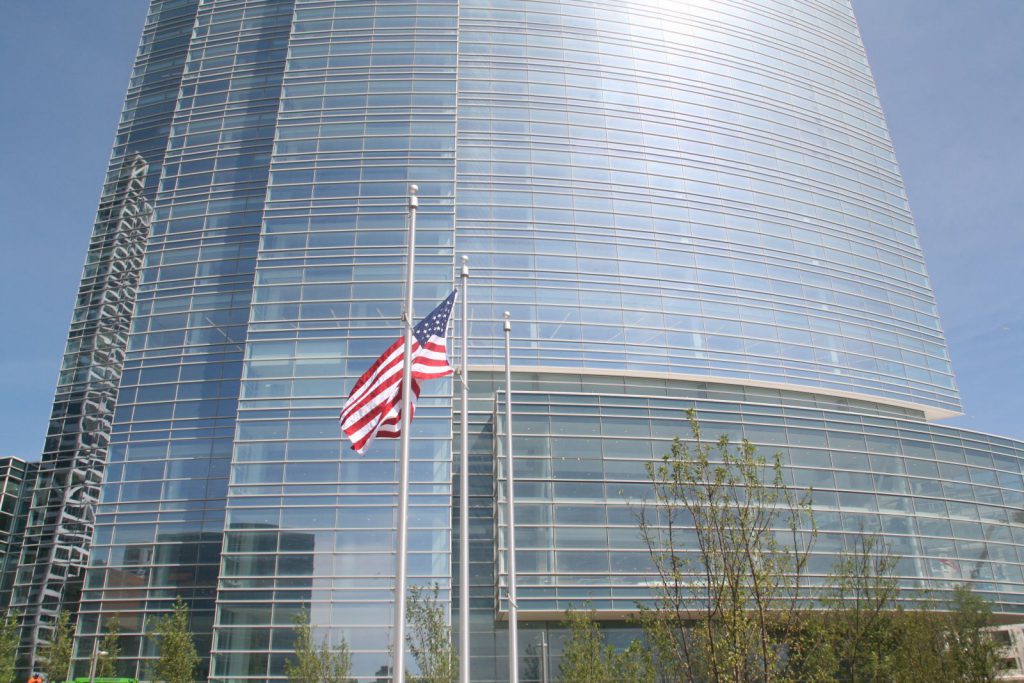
column 374, row 408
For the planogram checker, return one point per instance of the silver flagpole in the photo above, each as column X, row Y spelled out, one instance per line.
column 464, row 486
column 398, row 633
column 510, row 501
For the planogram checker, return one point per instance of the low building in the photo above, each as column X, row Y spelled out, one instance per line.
column 16, row 480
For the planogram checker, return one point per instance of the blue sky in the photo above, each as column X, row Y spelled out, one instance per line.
column 951, row 80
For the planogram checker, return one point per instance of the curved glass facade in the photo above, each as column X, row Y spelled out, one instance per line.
column 699, row 188
column 160, row 519
column 946, row 502
column 367, row 107
column 681, row 203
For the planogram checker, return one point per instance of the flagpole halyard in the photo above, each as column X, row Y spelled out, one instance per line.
column 398, row 632
column 464, row 484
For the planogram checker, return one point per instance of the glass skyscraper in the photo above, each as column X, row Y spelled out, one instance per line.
column 683, row 203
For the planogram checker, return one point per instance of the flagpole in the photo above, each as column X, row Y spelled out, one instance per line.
column 398, row 632
column 464, row 486
column 510, row 501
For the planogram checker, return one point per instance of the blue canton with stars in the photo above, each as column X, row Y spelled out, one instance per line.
column 436, row 322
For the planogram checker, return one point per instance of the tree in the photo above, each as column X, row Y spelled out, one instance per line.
column 971, row 653
column 809, row 654
column 874, row 638
column 56, row 654
column 861, row 599
column 730, row 542
column 316, row 664
column 914, row 645
column 430, row 637
column 581, row 656
column 632, row 665
column 107, row 665
column 178, row 659
column 9, row 638
column 586, row 658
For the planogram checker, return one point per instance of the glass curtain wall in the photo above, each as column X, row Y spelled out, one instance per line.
column 678, row 202
column 17, row 478
column 161, row 515
column 368, row 107
column 697, row 188
column 76, row 450
column 945, row 501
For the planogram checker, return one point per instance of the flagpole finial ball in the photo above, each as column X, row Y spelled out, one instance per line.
column 465, row 258
column 507, row 315
column 413, row 189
